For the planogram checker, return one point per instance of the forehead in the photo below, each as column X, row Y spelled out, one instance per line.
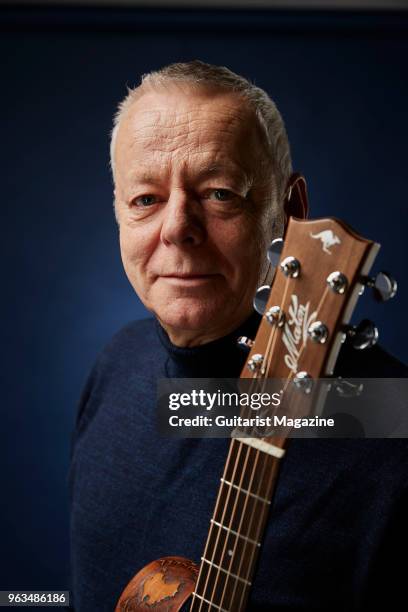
column 187, row 127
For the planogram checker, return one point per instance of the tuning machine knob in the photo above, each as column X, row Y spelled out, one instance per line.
column 318, row 332
column 345, row 388
column 362, row 336
column 304, row 382
column 275, row 316
column 337, row 282
column 262, row 294
column 261, row 298
column 245, row 343
column 255, row 363
column 274, row 252
column 290, row 266
column 384, row 286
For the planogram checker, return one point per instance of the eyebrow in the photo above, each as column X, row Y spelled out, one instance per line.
column 243, row 178
column 204, row 172
column 144, row 177
column 210, row 170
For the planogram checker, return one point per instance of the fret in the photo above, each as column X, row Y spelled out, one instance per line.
column 221, row 569
column 236, row 528
column 239, row 535
column 237, row 511
column 265, row 501
column 222, row 588
column 250, row 469
column 210, row 603
column 229, row 551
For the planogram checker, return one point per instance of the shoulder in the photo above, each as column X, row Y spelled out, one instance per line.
column 132, row 354
column 134, row 344
column 130, row 335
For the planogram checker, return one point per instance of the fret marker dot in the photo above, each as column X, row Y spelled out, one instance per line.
column 230, row 553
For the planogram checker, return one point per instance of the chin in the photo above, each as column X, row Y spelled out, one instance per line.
column 193, row 314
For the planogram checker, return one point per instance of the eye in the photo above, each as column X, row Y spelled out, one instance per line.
column 144, row 201
column 220, row 195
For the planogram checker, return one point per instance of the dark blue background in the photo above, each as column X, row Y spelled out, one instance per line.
column 340, row 82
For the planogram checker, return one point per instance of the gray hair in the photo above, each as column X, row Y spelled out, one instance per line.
column 201, row 75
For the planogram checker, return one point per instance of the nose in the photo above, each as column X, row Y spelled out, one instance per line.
column 183, row 222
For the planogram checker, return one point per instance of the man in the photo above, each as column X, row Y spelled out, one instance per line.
column 203, row 182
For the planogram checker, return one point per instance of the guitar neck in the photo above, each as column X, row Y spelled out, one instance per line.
column 236, row 529
column 314, row 291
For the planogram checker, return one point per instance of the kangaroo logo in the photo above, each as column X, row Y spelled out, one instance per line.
column 328, row 239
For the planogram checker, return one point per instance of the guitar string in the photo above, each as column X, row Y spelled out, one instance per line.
column 258, row 533
column 270, row 346
column 264, row 510
column 269, row 356
column 269, row 353
column 214, row 514
column 209, row 535
column 220, row 492
column 238, row 530
column 229, row 489
column 247, row 454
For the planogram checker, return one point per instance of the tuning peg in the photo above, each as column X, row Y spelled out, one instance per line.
column 274, row 252
column 304, row 382
column 245, row 343
column 384, row 286
column 290, row 266
column 261, row 298
column 362, row 336
column 255, row 363
column 345, row 388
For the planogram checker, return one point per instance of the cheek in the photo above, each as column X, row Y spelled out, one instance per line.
column 241, row 244
column 136, row 247
column 134, row 241
column 127, row 246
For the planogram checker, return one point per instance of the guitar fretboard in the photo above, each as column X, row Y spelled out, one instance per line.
column 236, row 529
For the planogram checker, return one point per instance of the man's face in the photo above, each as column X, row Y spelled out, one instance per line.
column 191, row 209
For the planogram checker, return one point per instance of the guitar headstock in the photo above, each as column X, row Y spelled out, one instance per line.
column 320, row 274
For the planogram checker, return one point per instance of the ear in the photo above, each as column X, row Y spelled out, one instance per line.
column 296, row 203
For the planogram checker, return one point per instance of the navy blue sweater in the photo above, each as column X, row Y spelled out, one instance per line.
column 336, row 536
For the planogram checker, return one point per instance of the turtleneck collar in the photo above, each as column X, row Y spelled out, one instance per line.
column 221, row 358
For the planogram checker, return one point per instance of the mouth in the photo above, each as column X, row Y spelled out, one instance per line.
column 189, row 279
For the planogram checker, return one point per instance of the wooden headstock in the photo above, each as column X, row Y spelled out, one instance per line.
column 320, row 284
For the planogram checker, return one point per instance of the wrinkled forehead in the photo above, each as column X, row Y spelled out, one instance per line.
column 186, row 127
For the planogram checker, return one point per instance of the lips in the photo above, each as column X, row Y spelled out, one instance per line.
column 190, row 275
column 189, row 280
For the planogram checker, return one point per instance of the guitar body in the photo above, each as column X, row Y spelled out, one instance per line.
column 163, row 585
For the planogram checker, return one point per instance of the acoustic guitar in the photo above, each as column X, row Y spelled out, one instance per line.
column 321, row 268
